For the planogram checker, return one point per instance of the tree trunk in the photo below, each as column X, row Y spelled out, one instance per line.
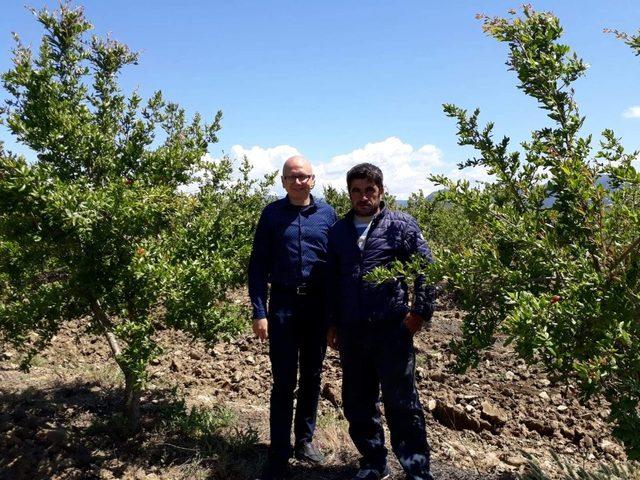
column 132, row 391
column 132, row 403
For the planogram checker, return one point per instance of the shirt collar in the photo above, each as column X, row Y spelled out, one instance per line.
column 312, row 203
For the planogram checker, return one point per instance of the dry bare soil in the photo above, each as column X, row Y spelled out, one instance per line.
column 59, row 421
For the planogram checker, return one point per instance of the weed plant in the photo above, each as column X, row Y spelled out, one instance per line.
column 626, row 471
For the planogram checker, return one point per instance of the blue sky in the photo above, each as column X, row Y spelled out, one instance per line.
column 346, row 81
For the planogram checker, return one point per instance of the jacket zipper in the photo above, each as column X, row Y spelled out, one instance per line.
column 372, row 225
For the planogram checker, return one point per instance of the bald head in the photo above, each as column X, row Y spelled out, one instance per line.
column 298, row 180
column 297, row 162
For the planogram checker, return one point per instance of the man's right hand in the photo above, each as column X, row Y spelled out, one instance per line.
column 260, row 328
column 332, row 338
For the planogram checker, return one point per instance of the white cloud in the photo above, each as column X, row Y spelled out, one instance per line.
column 264, row 160
column 474, row 175
column 632, row 112
column 404, row 167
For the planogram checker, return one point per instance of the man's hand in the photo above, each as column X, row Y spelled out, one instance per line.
column 332, row 338
column 260, row 326
column 413, row 322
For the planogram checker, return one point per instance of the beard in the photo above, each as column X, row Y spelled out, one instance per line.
column 366, row 210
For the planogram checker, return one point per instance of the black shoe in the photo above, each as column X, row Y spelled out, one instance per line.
column 274, row 472
column 309, row 453
column 372, row 474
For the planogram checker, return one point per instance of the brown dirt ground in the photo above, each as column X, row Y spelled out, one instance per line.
column 481, row 424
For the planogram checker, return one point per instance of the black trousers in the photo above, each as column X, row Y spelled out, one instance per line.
column 381, row 358
column 297, row 338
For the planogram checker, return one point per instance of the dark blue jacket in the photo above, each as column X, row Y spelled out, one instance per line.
column 354, row 301
column 289, row 248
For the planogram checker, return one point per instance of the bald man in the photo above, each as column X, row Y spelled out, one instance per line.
column 289, row 253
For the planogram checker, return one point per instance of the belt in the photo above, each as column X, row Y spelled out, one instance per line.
column 299, row 290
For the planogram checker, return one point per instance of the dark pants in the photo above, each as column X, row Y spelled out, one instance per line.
column 297, row 336
column 378, row 358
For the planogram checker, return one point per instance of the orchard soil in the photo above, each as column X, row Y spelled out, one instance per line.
column 59, row 420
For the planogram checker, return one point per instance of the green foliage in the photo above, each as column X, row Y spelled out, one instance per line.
column 206, row 253
column 338, row 199
column 214, row 436
column 632, row 41
column 390, row 201
column 194, row 422
column 443, row 224
column 629, row 471
column 98, row 223
column 553, row 261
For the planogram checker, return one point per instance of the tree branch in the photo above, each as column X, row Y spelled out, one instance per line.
column 107, row 327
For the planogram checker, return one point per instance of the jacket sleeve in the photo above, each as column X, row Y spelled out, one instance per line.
column 259, row 268
column 424, row 295
column 331, row 289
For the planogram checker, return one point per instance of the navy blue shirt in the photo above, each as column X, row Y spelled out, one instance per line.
column 289, row 248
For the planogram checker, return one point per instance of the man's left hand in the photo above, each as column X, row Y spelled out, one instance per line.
column 413, row 322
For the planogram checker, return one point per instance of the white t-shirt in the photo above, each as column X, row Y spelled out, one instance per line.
column 362, row 225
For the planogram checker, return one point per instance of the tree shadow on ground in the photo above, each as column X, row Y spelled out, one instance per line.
column 75, row 431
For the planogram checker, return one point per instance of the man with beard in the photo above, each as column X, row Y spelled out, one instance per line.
column 373, row 326
column 289, row 252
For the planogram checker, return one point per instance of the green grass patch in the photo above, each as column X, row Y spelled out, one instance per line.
column 213, row 434
column 613, row 471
